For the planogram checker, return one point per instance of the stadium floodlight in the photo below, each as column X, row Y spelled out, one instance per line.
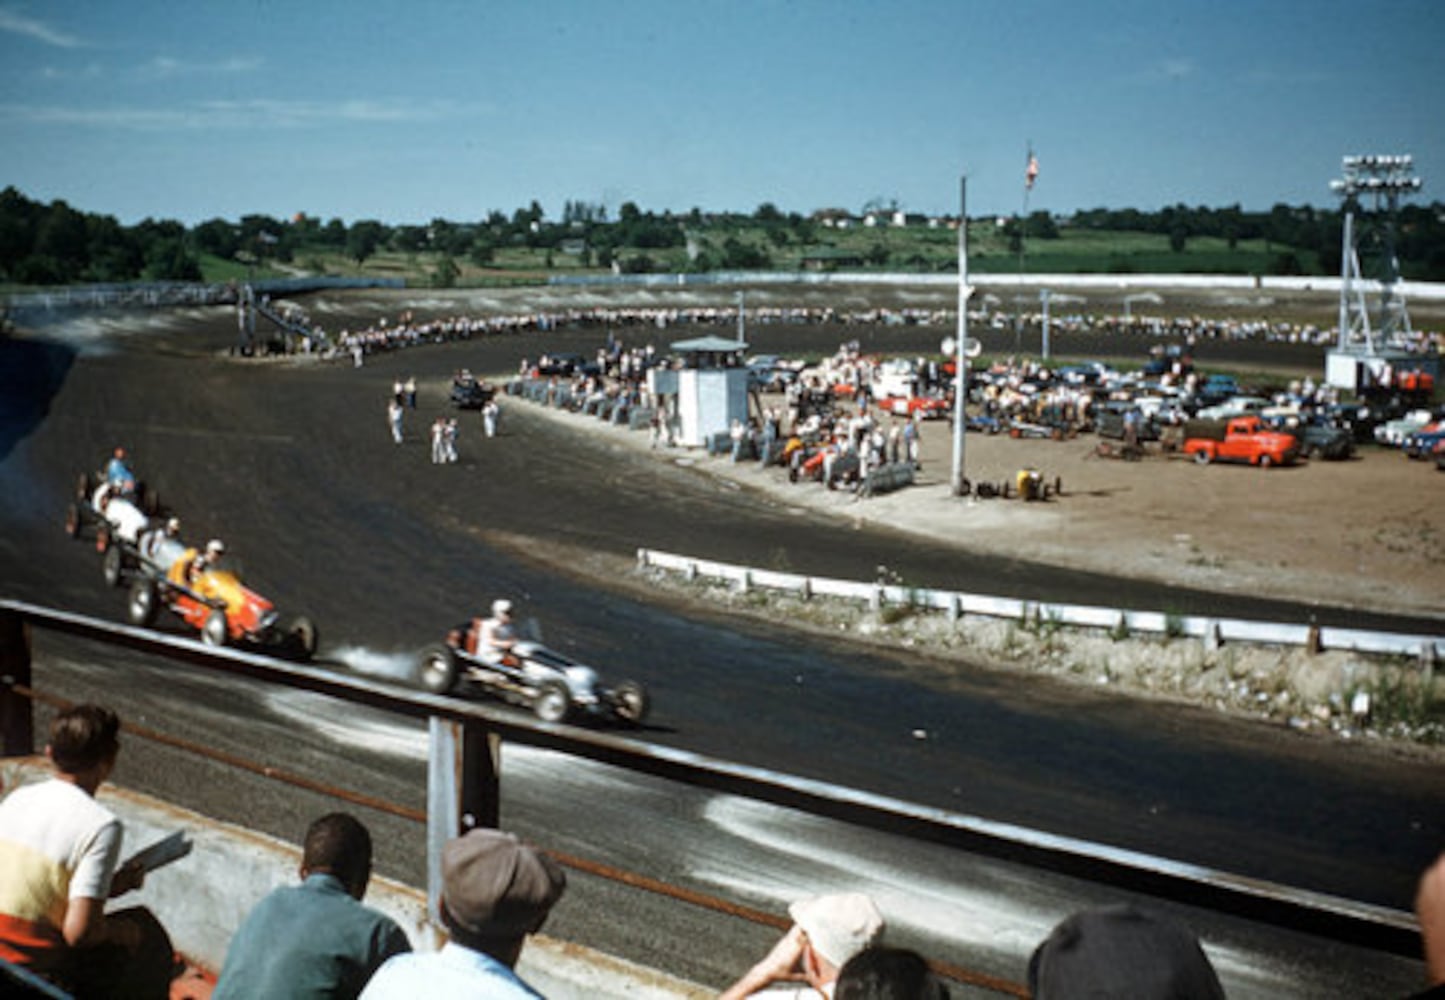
column 1385, row 179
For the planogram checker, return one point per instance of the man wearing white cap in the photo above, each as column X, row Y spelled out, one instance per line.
column 826, row 932
column 496, row 635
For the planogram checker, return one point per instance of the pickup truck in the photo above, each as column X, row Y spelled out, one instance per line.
column 1240, row 439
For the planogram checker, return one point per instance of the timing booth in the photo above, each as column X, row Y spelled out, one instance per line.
column 708, row 392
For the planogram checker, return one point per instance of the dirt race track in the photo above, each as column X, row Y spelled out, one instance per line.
column 290, row 461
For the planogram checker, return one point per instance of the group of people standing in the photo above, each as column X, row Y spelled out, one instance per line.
column 444, row 430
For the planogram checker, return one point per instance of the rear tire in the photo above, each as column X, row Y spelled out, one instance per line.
column 112, row 567
column 553, row 702
column 83, row 488
column 214, row 630
column 102, row 538
column 631, row 703
column 1265, row 461
column 1202, row 457
column 142, row 603
column 438, row 672
column 72, row 520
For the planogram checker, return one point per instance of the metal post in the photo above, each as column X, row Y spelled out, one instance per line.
column 742, row 310
column 960, row 397
column 1347, row 267
column 17, row 713
column 463, row 791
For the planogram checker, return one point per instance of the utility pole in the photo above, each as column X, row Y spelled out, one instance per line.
column 960, row 355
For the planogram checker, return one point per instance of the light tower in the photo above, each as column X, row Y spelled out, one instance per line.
column 1382, row 179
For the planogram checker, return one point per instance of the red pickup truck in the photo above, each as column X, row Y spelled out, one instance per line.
column 1240, row 439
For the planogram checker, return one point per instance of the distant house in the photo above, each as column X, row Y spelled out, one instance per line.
column 833, row 218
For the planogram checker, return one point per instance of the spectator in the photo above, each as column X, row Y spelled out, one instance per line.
column 827, row 931
column 883, row 973
column 495, row 891
column 1122, row 951
column 59, row 851
column 314, row 939
column 1430, row 910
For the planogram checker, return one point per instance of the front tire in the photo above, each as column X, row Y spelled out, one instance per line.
column 214, row 630
column 438, row 672
column 1265, row 461
column 142, row 603
column 631, row 703
column 72, row 520
column 83, row 488
column 553, row 702
column 301, row 634
column 1202, row 457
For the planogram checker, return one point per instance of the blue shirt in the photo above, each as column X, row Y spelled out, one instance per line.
column 454, row 973
column 308, row 941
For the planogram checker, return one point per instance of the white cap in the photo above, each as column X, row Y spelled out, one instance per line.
column 501, row 606
column 215, row 545
column 838, row 926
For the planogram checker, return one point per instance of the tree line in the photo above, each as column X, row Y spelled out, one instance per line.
column 54, row 244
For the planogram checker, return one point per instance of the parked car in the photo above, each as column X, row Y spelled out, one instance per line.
column 1317, row 438
column 1421, row 444
column 471, row 393
column 1392, row 433
column 1233, row 406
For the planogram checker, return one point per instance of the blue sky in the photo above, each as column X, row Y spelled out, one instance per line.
column 405, row 112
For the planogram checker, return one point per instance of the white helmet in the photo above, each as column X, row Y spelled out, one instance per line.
column 501, row 606
column 215, row 547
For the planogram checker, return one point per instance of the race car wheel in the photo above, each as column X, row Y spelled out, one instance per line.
column 82, row 488
column 301, row 632
column 150, row 501
column 72, row 520
column 630, row 702
column 112, row 567
column 1201, row 457
column 438, row 671
column 102, row 539
column 553, row 703
column 141, row 606
column 213, row 632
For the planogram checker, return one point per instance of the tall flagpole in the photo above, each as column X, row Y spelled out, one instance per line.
column 1030, row 171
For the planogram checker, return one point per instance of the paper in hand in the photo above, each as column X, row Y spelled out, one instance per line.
column 161, row 853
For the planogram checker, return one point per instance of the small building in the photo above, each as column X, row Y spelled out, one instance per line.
column 708, row 392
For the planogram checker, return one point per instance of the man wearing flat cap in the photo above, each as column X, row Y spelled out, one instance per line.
column 495, row 891
column 804, row 964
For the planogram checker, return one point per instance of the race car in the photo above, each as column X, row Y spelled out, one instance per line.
column 555, row 687
column 213, row 600
column 927, row 407
column 117, row 515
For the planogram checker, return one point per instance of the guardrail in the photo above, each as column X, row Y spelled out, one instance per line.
column 1212, row 631
column 177, row 293
column 464, row 782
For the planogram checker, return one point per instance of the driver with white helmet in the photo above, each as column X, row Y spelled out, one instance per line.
column 206, row 560
column 495, row 636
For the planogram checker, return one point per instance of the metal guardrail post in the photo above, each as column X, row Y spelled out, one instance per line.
column 17, row 713
column 463, row 791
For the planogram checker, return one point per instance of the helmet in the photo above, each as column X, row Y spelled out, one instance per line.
column 215, row 547
column 501, row 606
column 173, row 526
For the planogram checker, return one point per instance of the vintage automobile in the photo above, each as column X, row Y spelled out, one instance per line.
column 553, row 686
column 1317, row 438
column 1240, row 439
column 1421, row 444
column 116, row 516
column 217, row 604
column 471, row 393
column 927, row 407
column 1393, row 433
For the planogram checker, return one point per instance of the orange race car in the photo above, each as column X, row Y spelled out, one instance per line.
column 208, row 595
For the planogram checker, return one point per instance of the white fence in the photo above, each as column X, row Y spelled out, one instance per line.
column 1212, row 631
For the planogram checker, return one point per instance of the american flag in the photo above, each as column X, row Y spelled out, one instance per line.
column 1031, row 172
